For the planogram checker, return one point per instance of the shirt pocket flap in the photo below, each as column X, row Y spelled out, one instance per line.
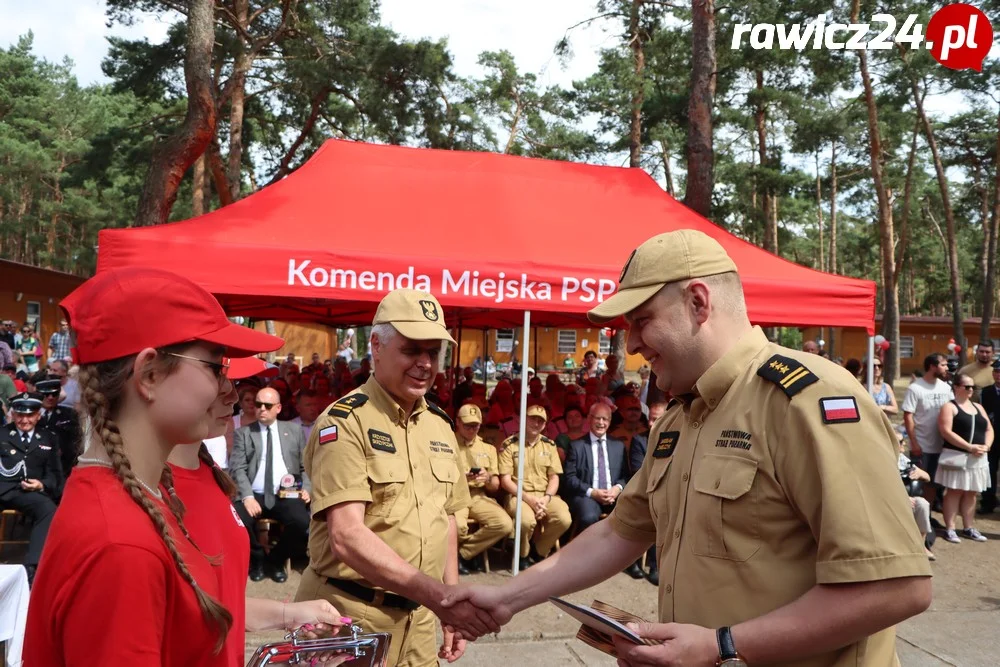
column 444, row 469
column 728, row 477
column 656, row 474
column 386, row 470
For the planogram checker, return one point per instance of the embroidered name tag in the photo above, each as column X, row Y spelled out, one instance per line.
column 665, row 444
column 441, row 447
column 381, row 441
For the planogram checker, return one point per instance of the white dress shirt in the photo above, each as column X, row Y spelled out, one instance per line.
column 602, row 442
column 278, row 461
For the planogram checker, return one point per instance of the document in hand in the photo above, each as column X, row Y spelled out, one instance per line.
column 601, row 621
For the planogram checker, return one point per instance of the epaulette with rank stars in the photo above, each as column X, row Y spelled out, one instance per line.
column 791, row 375
column 346, row 405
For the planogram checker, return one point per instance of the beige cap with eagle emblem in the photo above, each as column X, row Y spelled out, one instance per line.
column 417, row 315
column 665, row 258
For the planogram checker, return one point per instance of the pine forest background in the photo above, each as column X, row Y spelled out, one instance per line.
column 837, row 160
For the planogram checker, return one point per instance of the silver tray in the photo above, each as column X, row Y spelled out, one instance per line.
column 372, row 648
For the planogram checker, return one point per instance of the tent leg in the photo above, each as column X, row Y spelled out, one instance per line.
column 458, row 355
column 521, row 444
column 871, row 362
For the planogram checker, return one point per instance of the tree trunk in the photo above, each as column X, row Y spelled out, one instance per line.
column 241, row 65
column 982, row 189
column 198, row 187
column 667, row 173
column 989, row 287
column 833, row 208
column 760, row 120
column 700, row 153
column 269, row 327
column 904, row 223
column 949, row 218
column 172, row 158
column 638, row 82
column 887, row 245
column 819, row 213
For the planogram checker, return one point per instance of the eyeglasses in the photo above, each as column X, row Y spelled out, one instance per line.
column 878, row 365
column 971, row 387
column 221, row 370
column 262, row 404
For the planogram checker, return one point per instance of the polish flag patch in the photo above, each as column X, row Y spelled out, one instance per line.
column 839, row 410
column 328, row 434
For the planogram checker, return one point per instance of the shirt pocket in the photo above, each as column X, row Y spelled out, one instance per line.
column 446, row 473
column 724, row 513
column 386, row 477
column 656, row 490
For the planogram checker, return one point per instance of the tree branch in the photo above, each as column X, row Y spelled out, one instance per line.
column 307, row 127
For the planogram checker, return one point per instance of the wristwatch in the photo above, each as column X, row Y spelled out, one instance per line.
column 728, row 656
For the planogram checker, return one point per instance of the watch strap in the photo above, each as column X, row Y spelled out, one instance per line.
column 727, row 649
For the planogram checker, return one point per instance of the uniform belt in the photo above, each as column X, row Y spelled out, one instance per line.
column 372, row 596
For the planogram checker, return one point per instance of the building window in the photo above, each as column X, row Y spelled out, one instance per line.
column 567, row 341
column 505, row 340
column 34, row 315
column 603, row 343
column 906, row 347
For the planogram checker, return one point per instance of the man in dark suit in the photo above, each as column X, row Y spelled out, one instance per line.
column 990, row 398
column 63, row 422
column 266, row 456
column 29, row 473
column 595, row 473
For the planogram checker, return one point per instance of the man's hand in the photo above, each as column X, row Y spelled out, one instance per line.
column 915, row 450
column 31, row 485
column 462, row 616
column 681, row 646
column 490, row 599
column 917, row 473
column 252, row 507
column 453, row 646
column 305, row 496
column 483, row 477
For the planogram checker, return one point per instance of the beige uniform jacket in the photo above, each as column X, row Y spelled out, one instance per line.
column 757, row 487
column 478, row 454
column 364, row 448
column 541, row 460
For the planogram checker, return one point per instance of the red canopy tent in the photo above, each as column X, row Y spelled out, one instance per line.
column 490, row 235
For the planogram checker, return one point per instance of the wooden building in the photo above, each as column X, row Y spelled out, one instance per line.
column 31, row 294
column 919, row 336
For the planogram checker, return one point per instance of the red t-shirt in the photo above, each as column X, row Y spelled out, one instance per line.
column 215, row 527
column 108, row 592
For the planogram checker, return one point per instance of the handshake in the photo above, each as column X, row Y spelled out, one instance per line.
column 467, row 613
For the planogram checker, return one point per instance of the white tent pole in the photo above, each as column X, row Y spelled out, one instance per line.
column 871, row 362
column 521, row 442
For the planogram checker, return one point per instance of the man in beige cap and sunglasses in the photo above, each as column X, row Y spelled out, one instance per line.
column 769, row 488
column 386, row 486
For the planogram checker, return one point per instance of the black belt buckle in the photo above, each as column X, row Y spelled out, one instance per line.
column 372, row 596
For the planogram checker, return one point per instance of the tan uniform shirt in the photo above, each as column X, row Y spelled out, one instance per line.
column 405, row 469
column 477, row 454
column 542, row 460
column 752, row 499
column 981, row 375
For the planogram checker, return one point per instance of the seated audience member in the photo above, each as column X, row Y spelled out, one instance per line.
column 265, row 454
column 912, row 477
column 540, row 506
column 595, row 474
column 882, row 391
column 62, row 422
column 589, row 370
column 30, row 473
column 286, row 399
column 463, row 390
column 309, row 405
column 576, row 428
column 636, row 454
column 963, row 467
column 633, row 423
column 8, row 389
column 316, row 364
column 853, row 367
column 248, row 413
column 613, row 377
column 479, row 462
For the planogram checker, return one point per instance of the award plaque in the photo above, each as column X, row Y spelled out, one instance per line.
column 289, row 487
column 363, row 649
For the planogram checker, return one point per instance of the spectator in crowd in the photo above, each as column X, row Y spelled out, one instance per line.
column 62, row 422
column 248, row 412
column 637, row 452
column 633, row 424
column 346, row 350
column 962, row 467
column 286, row 399
column 310, row 404
column 991, row 403
column 317, row 364
column 589, row 369
column 7, row 389
column 576, row 428
column 69, row 394
column 463, row 389
column 613, row 378
column 11, row 372
column 264, row 454
column 882, row 392
column 7, row 330
column 596, row 471
column 294, row 379
column 923, row 401
column 29, row 349
column 30, row 475
column 364, row 370
column 539, row 505
column 853, row 367
column 569, row 362
column 6, row 354
column 913, row 478
column 59, row 343
column 981, row 369
column 811, row 347
column 644, row 374
column 478, row 460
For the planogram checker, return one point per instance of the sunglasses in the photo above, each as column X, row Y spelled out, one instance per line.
column 220, row 370
column 968, row 386
column 262, row 404
column 878, row 365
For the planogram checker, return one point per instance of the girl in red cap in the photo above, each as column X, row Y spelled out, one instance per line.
column 215, row 526
column 120, row 580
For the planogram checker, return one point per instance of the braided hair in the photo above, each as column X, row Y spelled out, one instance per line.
column 102, row 386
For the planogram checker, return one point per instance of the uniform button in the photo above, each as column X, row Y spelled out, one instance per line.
column 677, row 533
column 668, row 588
column 685, row 477
column 695, row 424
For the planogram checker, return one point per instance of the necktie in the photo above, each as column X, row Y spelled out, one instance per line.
column 602, row 466
column 269, row 471
column 25, row 438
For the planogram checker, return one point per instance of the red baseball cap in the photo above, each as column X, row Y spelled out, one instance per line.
column 123, row 311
